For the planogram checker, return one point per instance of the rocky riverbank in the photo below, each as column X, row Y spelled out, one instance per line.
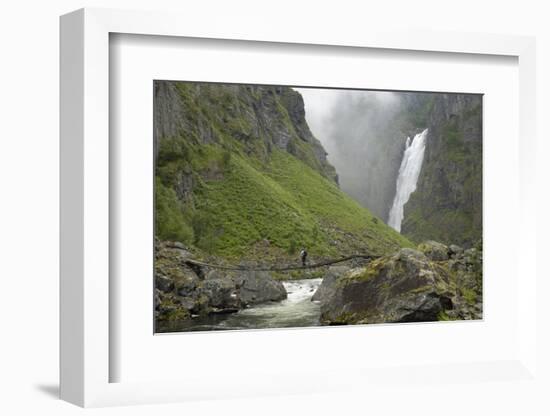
column 182, row 291
column 430, row 283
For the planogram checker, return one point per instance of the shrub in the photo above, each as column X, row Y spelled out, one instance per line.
column 292, row 247
column 170, row 223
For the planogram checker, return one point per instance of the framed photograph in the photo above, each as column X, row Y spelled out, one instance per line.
column 304, row 215
column 261, row 223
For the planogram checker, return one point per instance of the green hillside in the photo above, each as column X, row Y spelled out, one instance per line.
column 240, row 176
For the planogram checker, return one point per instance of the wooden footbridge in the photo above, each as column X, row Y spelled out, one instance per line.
column 282, row 268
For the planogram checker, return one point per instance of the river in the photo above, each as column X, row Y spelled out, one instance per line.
column 297, row 310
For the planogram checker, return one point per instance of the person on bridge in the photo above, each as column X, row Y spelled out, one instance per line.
column 303, row 256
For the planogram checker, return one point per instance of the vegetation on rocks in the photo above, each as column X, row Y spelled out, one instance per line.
column 367, row 132
column 183, row 290
column 447, row 204
column 240, row 176
column 240, row 179
column 432, row 283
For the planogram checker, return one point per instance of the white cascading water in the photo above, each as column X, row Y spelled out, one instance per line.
column 407, row 177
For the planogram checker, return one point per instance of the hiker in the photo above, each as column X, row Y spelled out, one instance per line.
column 303, row 256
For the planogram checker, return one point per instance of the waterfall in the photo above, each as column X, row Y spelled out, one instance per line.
column 407, row 177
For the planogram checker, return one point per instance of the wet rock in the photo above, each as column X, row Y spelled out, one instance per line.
column 258, row 287
column 327, row 287
column 325, row 290
column 221, row 293
column 221, row 311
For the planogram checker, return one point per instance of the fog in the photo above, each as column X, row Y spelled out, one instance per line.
column 360, row 131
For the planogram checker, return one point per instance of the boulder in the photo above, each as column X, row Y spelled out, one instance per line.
column 188, row 303
column 405, row 287
column 257, row 287
column 177, row 244
column 213, row 274
column 163, row 283
column 221, row 293
column 327, row 287
column 182, row 254
column 455, row 251
column 434, row 251
column 169, row 309
column 172, row 251
column 171, row 262
column 186, row 286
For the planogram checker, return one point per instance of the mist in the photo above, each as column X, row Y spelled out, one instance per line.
column 363, row 133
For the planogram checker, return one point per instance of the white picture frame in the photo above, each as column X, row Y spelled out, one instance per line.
column 85, row 217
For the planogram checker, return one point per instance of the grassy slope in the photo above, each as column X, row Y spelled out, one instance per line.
column 290, row 205
column 251, row 202
column 283, row 202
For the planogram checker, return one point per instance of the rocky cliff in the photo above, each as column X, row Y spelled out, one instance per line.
column 183, row 291
column 433, row 282
column 366, row 133
column 239, row 175
column 447, row 203
column 240, row 179
column 258, row 117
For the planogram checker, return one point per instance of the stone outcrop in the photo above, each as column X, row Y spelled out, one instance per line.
column 237, row 166
column 272, row 114
column 182, row 291
column 258, row 287
column 447, row 203
column 434, row 250
column 326, row 289
column 433, row 283
column 368, row 137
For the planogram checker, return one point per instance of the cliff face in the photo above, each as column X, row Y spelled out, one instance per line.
column 256, row 116
column 240, row 175
column 447, row 203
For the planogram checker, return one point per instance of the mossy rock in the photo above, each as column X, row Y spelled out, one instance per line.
column 434, row 250
column 405, row 287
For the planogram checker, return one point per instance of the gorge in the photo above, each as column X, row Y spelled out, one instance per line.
column 365, row 134
column 243, row 185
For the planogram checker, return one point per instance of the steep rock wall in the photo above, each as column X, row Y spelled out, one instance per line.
column 447, row 203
